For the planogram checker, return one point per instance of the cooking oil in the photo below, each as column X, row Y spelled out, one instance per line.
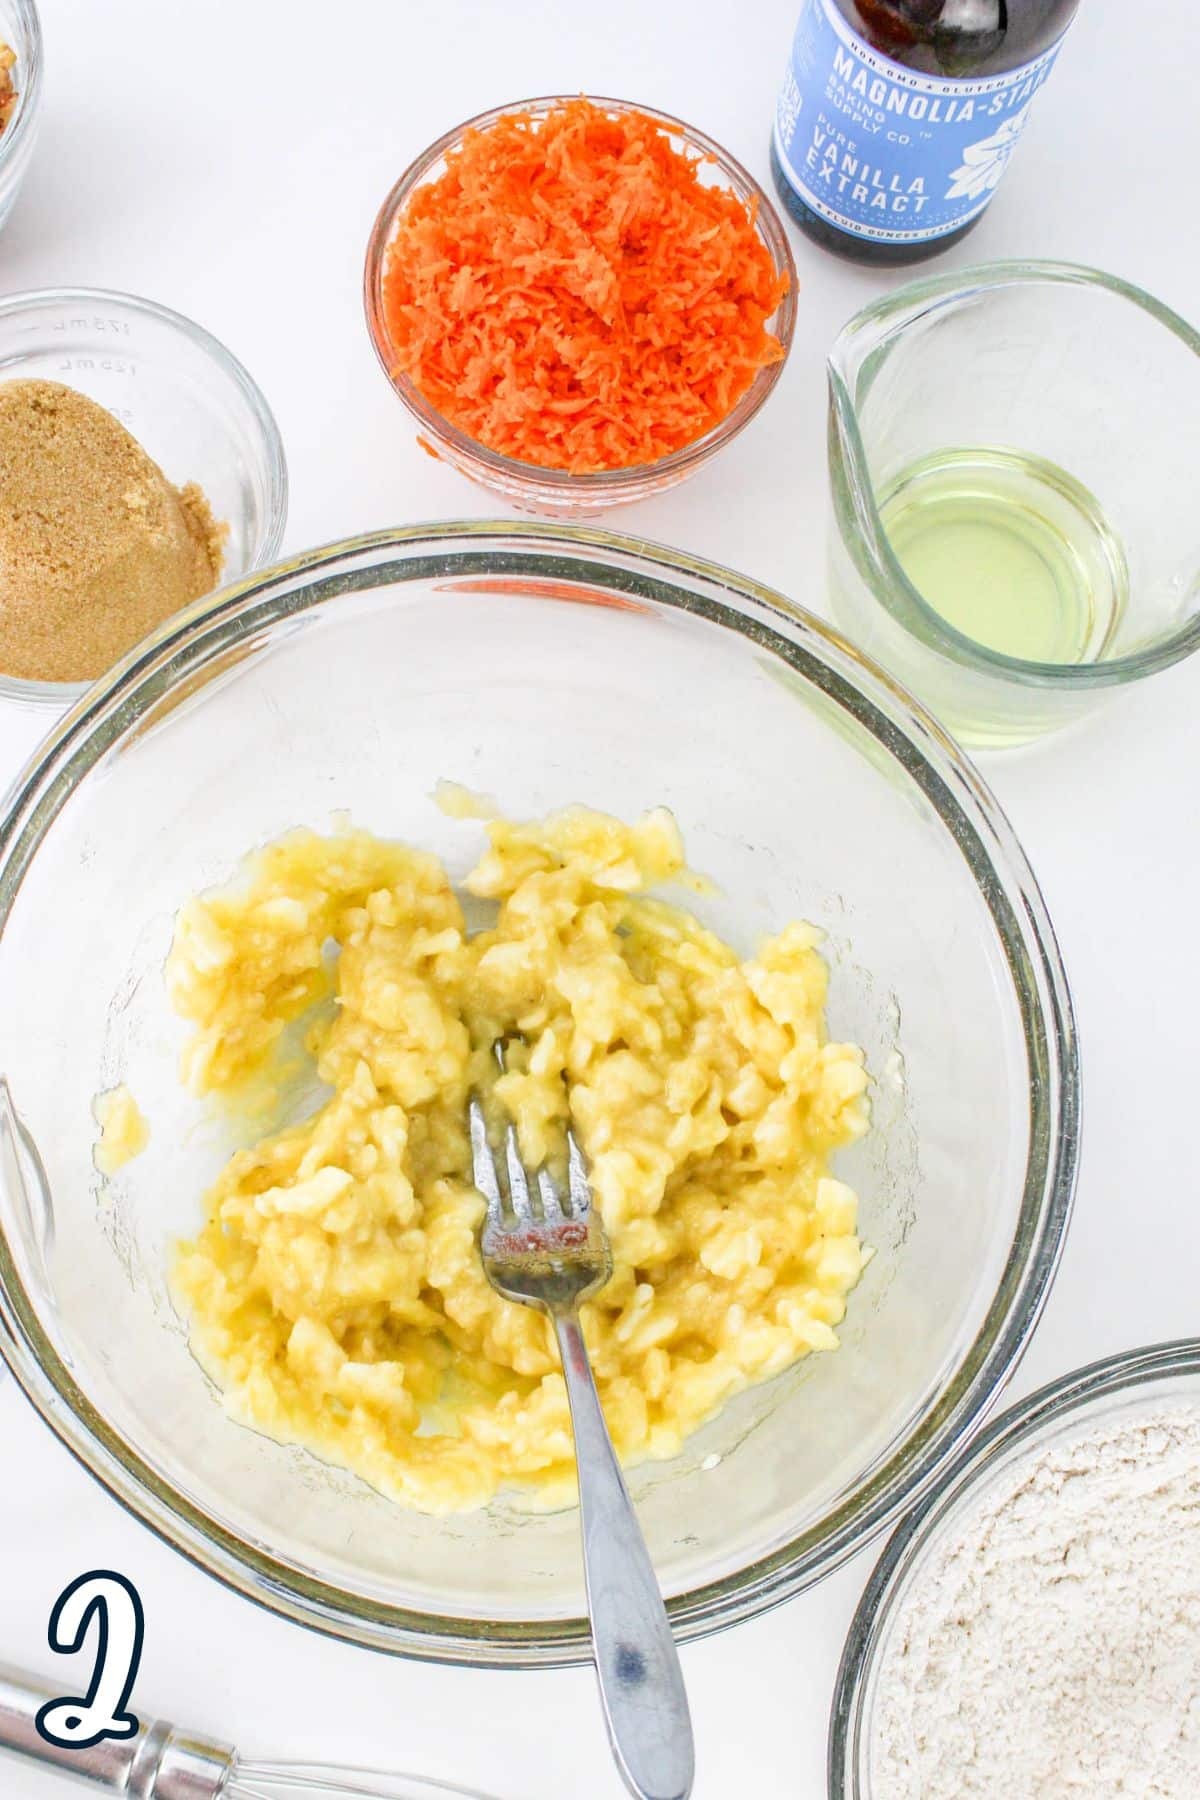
column 1011, row 550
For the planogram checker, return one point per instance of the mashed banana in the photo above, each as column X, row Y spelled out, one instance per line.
column 336, row 1293
column 124, row 1133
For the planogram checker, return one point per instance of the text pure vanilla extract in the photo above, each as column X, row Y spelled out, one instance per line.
column 897, row 118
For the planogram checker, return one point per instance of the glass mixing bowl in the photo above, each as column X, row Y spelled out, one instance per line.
column 1119, row 1387
column 541, row 667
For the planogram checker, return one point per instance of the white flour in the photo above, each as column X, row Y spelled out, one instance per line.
column 1051, row 1649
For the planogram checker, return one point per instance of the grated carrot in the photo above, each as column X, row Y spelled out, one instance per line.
column 570, row 294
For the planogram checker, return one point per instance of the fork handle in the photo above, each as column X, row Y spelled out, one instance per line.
column 641, row 1683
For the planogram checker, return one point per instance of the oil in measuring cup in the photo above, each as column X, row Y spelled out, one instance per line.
column 1010, row 550
column 1012, row 457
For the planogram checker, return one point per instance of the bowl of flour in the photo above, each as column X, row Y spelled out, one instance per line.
column 1032, row 1632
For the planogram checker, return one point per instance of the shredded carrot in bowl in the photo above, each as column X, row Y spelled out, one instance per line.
column 569, row 293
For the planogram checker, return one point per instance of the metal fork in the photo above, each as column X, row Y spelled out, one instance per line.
column 546, row 1248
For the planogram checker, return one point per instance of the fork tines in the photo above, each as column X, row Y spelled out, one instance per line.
column 506, row 1186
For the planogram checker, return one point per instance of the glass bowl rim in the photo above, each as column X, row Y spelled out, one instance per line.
column 888, row 580
column 1031, row 1420
column 33, row 55
column 14, row 688
column 912, row 738
column 532, row 478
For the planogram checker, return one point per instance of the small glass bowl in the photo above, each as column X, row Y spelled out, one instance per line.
column 1128, row 1382
column 186, row 399
column 555, row 493
column 21, row 30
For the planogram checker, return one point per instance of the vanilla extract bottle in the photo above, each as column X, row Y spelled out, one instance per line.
column 897, row 118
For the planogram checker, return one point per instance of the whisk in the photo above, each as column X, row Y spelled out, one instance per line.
column 163, row 1762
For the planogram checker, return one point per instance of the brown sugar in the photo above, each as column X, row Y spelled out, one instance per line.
column 96, row 546
column 8, row 87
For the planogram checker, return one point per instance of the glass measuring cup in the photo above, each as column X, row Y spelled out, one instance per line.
column 1013, row 453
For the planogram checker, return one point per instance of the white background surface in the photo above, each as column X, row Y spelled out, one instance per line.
column 227, row 158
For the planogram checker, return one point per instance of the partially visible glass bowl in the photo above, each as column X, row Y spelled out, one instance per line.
column 541, row 667
column 21, row 30
column 554, row 492
column 1135, row 1380
column 184, row 396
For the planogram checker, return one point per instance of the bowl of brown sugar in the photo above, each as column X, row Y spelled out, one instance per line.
column 140, row 468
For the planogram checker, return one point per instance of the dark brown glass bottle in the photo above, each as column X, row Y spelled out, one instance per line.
column 897, row 117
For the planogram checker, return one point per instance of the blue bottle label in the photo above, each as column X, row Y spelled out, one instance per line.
column 888, row 153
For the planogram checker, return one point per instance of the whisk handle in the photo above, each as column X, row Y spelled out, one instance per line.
column 159, row 1763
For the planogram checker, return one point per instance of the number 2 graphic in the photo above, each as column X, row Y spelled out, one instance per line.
column 114, row 1602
